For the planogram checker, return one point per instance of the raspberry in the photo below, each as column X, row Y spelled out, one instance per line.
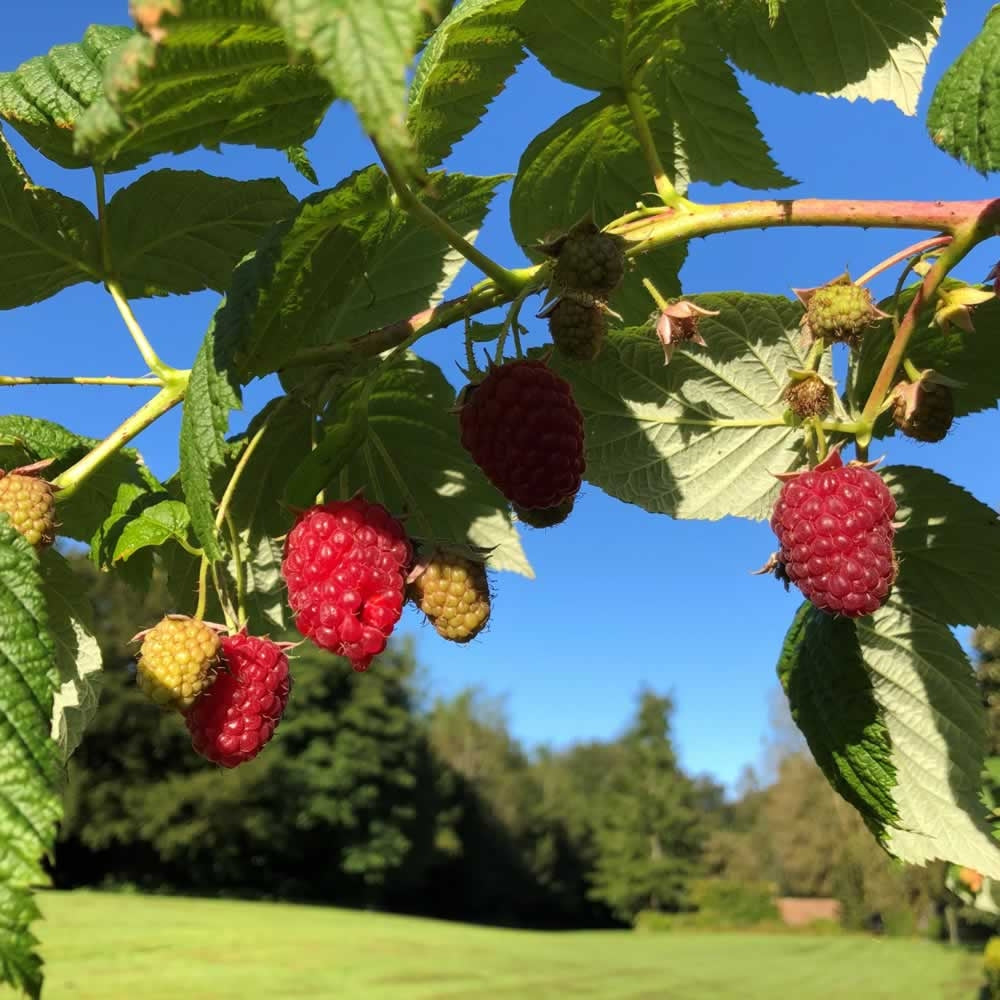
column 345, row 566
column 923, row 410
column 809, row 397
column 835, row 527
column 577, row 325
column 233, row 720
column 454, row 594
column 839, row 312
column 545, row 517
column 177, row 661
column 588, row 260
column 29, row 503
column 524, row 430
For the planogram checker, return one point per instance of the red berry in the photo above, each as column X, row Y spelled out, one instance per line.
column 345, row 566
column 525, row 431
column 238, row 714
column 835, row 527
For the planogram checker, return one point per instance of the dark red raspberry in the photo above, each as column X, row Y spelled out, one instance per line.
column 835, row 527
column 525, row 431
column 231, row 721
column 923, row 410
column 345, row 566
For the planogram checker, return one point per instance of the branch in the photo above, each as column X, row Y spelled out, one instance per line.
column 664, row 188
column 77, row 380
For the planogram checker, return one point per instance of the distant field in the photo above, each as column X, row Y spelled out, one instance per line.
column 110, row 947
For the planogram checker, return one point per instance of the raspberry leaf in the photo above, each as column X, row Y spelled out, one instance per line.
column 465, row 65
column 413, row 463
column 832, row 701
column 47, row 241
column 30, row 776
column 703, row 436
column 879, row 52
column 27, row 439
column 948, row 546
column 972, row 359
column 363, row 50
column 139, row 519
column 932, row 707
column 44, row 97
column 178, row 86
column 78, row 655
column 158, row 228
column 964, row 116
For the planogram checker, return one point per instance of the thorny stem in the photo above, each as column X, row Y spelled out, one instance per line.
column 199, row 611
column 164, row 371
column 426, row 216
column 77, row 380
column 966, row 237
column 916, row 250
column 166, row 399
column 650, row 232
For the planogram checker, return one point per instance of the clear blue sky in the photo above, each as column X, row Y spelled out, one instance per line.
column 623, row 598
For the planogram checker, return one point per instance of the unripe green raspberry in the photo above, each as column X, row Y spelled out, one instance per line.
column 840, row 312
column 177, row 661
column 588, row 260
column 29, row 503
column 578, row 325
column 454, row 594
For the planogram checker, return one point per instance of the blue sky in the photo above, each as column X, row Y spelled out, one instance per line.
column 623, row 598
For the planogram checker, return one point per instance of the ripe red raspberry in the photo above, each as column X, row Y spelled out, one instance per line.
column 835, row 527
column 345, row 566
column 232, row 721
column 525, row 431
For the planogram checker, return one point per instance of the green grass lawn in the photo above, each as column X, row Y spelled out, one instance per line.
column 156, row 948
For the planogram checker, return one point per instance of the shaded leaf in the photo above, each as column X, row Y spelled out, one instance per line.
column 179, row 231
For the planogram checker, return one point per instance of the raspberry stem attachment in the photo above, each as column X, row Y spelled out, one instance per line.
column 913, row 373
column 664, row 187
column 156, row 366
column 661, row 302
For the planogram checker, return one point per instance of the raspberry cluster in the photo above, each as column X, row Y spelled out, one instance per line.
column 345, row 567
column 835, row 527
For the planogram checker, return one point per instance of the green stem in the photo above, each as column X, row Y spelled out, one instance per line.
column 509, row 280
column 661, row 302
column 156, row 366
column 102, row 221
column 77, row 380
column 815, row 355
column 166, row 399
column 227, row 497
column 912, row 371
column 966, row 237
column 664, row 187
column 234, row 540
column 199, row 611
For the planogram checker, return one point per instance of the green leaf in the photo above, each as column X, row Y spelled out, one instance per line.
column 363, row 49
column 597, row 44
column 948, row 547
column 139, row 519
column 718, row 131
column 703, row 436
column 213, row 391
column 413, row 463
column 78, row 653
column 832, row 701
column 299, row 158
column 465, row 65
column 180, row 231
column 24, row 440
column 824, row 46
column 29, row 800
column 44, row 97
column 47, row 241
column 350, row 261
column 972, row 359
column 964, row 116
column 205, row 72
column 932, row 707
